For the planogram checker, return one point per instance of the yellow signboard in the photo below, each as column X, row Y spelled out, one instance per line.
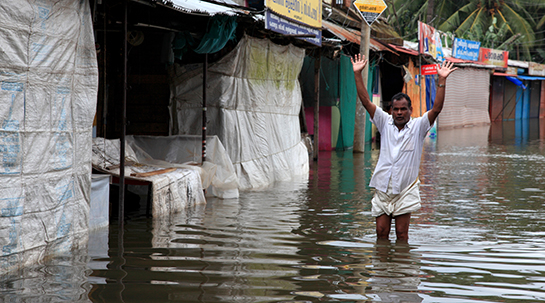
column 370, row 6
column 370, row 10
column 308, row 12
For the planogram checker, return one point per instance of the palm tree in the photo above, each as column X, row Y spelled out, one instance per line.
column 477, row 17
column 404, row 15
column 517, row 23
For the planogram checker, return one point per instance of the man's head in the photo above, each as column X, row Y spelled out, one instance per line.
column 401, row 109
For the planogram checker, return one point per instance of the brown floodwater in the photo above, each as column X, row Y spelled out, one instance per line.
column 479, row 237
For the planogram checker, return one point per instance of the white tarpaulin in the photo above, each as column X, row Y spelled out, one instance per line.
column 217, row 172
column 172, row 191
column 48, row 90
column 253, row 104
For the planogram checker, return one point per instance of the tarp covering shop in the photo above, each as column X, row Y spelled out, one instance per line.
column 168, row 169
column 165, row 163
column 466, row 98
column 467, row 95
column 531, row 98
column 338, row 94
column 48, row 90
column 253, row 108
column 338, row 97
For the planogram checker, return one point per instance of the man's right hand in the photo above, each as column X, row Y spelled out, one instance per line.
column 358, row 62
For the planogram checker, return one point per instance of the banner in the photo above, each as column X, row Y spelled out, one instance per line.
column 308, row 12
column 429, row 41
column 466, row 49
column 494, row 57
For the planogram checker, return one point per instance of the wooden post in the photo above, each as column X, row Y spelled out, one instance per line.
column 317, row 105
column 123, row 123
column 204, row 83
column 359, row 128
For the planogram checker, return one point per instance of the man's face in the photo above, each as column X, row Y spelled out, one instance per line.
column 401, row 112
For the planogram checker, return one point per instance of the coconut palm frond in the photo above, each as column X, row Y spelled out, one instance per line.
column 452, row 22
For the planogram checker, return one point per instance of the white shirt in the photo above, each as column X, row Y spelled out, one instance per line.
column 400, row 151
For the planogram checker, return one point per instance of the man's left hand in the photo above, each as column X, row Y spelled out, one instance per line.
column 446, row 69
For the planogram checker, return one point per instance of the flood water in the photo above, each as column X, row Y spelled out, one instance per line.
column 479, row 237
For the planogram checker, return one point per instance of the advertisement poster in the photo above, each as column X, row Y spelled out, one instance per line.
column 429, row 41
column 466, row 49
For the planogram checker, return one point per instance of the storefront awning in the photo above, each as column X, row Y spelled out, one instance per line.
column 504, row 74
column 516, row 81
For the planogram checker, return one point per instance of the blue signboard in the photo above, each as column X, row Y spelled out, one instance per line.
column 283, row 26
column 466, row 49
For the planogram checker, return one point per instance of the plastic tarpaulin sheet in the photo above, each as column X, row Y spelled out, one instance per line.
column 430, row 91
column 253, row 105
column 466, row 99
column 48, row 89
column 217, row 172
column 329, row 81
column 347, row 105
column 172, row 191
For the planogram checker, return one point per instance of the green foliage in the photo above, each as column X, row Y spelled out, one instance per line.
column 508, row 25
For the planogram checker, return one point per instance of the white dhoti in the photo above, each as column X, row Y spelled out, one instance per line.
column 407, row 201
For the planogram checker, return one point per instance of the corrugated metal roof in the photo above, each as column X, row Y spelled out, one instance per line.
column 351, row 35
column 200, row 7
column 404, row 50
column 517, row 63
column 462, row 62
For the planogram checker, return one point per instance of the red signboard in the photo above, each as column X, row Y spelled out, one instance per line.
column 494, row 57
column 430, row 69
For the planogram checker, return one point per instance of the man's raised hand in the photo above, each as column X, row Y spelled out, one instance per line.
column 358, row 63
column 446, row 69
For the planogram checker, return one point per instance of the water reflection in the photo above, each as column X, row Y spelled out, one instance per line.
column 477, row 238
column 383, row 271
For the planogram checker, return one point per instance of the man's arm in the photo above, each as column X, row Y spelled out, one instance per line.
column 443, row 73
column 358, row 63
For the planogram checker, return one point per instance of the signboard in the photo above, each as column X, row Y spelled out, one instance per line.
column 536, row 69
column 511, row 70
column 466, row 49
column 280, row 25
column 370, row 10
column 430, row 69
column 306, row 12
column 494, row 57
column 429, row 41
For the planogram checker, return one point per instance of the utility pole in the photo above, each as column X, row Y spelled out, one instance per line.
column 369, row 10
column 360, row 123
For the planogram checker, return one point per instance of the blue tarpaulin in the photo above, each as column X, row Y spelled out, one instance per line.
column 516, row 81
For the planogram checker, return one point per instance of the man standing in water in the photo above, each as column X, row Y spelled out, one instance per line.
column 395, row 178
